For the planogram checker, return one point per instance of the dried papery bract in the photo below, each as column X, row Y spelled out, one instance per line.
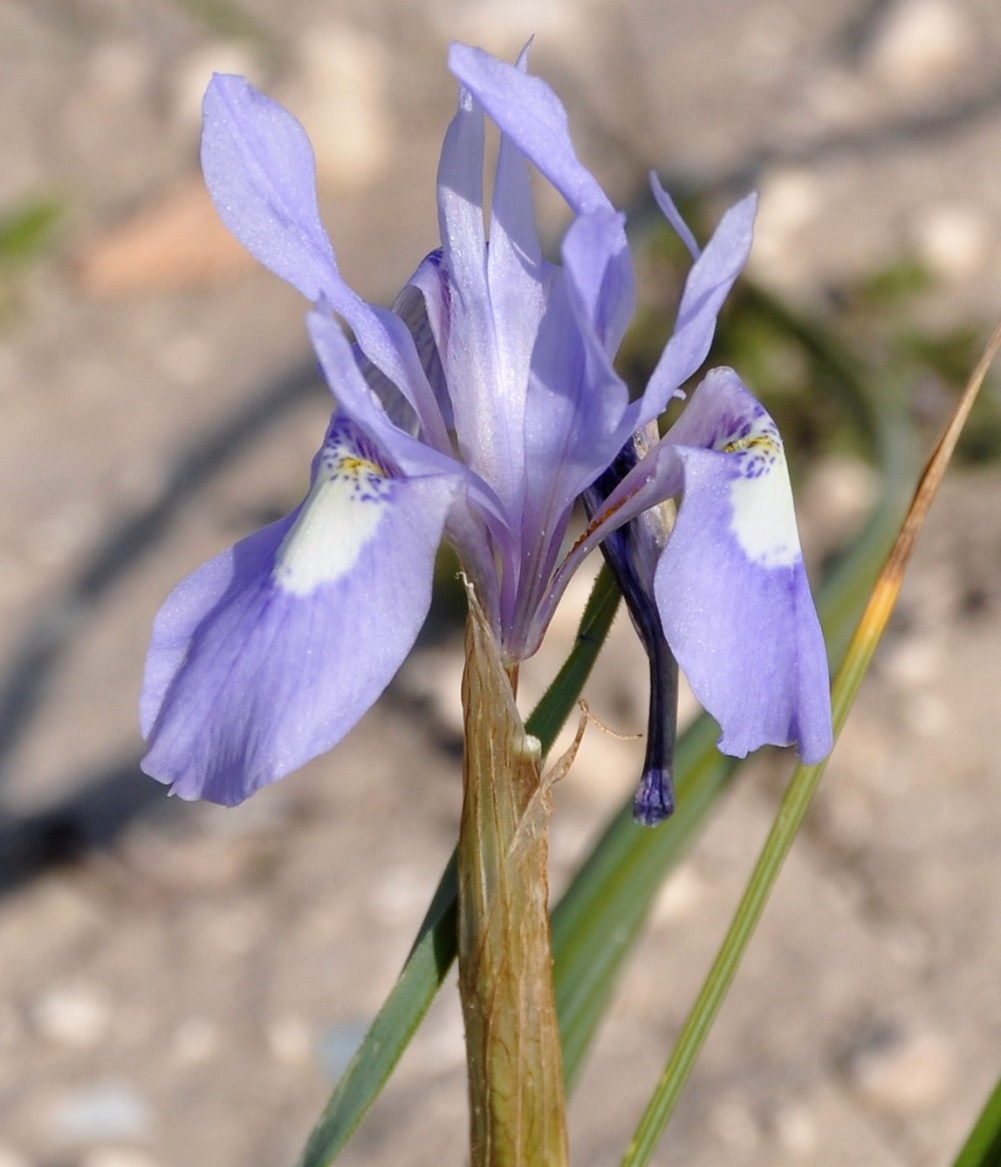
column 516, row 1096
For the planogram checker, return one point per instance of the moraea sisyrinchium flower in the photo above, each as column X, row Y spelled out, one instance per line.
column 479, row 410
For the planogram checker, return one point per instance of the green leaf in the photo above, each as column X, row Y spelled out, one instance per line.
column 983, row 1147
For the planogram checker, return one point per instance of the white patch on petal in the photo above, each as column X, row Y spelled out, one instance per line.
column 340, row 516
column 764, row 522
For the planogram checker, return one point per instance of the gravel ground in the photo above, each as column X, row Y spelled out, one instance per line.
column 181, row 984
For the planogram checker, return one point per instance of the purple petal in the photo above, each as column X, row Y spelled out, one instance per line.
column 731, row 586
column 673, row 215
column 259, row 168
column 266, row 656
column 359, row 402
column 260, row 171
column 487, row 398
column 530, row 112
column 709, row 282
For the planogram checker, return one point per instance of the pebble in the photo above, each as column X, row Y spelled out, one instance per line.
column 196, row 1040
column 341, row 96
column 118, row 1157
column 397, row 896
column 953, row 240
column 502, row 24
column 920, row 43
column 192, row 75
column 734, row 1124
column 290, row 1040
column 904, row 1072
column 679, row 897
column 791, row 200
column 11, row 1158
column 74, row 1016
column 109, row 1110
column 795, row 1130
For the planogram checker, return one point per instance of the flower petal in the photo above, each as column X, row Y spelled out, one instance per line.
column 709, row 282
column 261, row 173
column 527, row 109
column 731, row 587
column 267, row 655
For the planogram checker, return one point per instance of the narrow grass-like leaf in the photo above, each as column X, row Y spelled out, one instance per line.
column 983, row 1147
column 800, row 791
column 435, row 947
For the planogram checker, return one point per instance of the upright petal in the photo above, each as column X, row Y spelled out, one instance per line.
column 530, row 112
column 486, row 403
column 261, row 173
column 709, row 282
column 267, row 655
column 731, row 586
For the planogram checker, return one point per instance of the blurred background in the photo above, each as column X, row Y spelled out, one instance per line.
column 181, row 984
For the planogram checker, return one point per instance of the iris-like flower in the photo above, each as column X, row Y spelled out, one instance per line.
column 479, row 410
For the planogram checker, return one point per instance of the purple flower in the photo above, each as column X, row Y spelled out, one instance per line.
column 478, row 410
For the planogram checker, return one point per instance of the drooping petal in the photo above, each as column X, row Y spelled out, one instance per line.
column 731, row 587
column 361, row 404
column 709, row 282
column 266, row 656
column 632, row 552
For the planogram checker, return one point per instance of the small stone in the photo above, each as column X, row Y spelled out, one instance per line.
column 791, row 200
column 735, row 1125
column 341, row 95
column 11, row 1158
column 679, row 897
column 397, row 895
column 105, row 1111
column 954, row 241
column 192, row 76
column 920, row 43
column 290, row 1040
column 796, row 1131
column 118, row 1157
column 903, row 1072
column 72, row 1016
column 196, row 1039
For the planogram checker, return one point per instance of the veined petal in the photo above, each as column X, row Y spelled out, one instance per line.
column 487, row 403
column 361, row 404
column 709, row 282
column 731, row 586
column 266, row 656
column 530, row 112
column 261, row 173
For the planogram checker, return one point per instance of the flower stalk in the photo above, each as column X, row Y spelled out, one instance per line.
column 517, row 1109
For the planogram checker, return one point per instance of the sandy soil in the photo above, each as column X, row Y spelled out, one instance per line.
column 180, row 984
